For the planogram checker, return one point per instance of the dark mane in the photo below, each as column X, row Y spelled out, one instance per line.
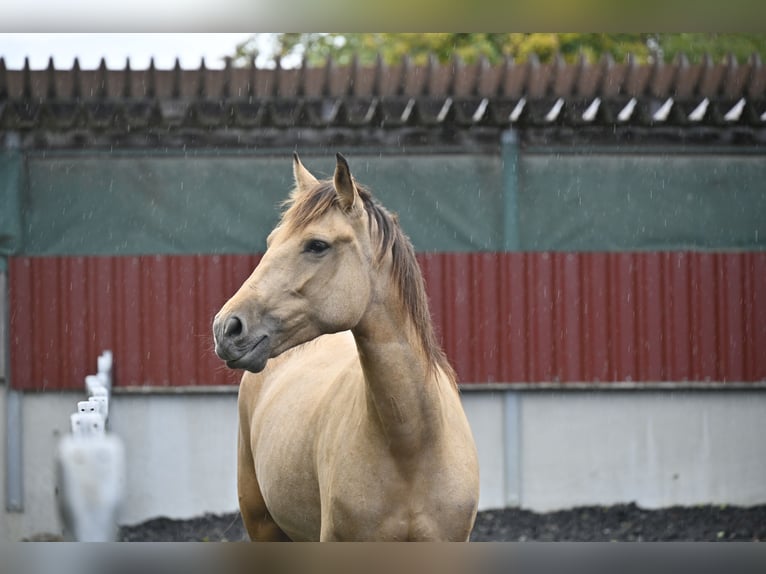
column 303, row 208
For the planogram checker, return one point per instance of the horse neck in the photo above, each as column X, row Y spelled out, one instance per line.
column 400, row 379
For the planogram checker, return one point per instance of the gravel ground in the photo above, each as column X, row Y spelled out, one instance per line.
column 594, row 524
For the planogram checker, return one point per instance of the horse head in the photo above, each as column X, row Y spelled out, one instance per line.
column 313, row 279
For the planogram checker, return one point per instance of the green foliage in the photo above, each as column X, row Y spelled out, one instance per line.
column 718, row 46
column 316, row 48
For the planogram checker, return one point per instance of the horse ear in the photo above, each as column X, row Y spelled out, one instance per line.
column 344, row 185
column 303, row 178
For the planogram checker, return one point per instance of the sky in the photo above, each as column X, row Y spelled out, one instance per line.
column 189, row 48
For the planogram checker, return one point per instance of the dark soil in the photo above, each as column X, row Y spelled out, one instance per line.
column 625, row 522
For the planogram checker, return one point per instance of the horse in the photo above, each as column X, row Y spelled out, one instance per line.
column 350, row 420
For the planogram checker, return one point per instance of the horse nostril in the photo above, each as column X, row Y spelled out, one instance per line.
column 232, row 327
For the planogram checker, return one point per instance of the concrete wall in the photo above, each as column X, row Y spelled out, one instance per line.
column 655, row 448
column 180, row 451
column 537, row 449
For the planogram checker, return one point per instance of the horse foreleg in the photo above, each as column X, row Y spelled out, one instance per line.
column 258, row 522
column 256, row 517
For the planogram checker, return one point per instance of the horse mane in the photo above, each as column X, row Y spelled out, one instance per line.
column 303, row 208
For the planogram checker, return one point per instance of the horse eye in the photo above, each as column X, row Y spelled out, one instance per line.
column 316, row 246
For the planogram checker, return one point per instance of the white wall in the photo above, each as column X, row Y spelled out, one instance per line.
column 180, row 451
column 655, row 448
column 538, row 449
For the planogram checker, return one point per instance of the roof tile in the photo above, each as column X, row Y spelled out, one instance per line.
column 403, row 94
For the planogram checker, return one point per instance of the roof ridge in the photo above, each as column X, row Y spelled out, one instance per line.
column 450, row 94
column 453, row 78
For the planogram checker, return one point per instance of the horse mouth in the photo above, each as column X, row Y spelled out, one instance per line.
column 253, row 359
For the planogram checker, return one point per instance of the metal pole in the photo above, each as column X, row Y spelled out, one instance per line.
column 512, row 431
column 14, row 477
column 14, row 481
column 11, row 178
column 511, row 242
column 510, row 155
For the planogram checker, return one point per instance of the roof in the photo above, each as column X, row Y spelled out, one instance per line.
column 531, row 96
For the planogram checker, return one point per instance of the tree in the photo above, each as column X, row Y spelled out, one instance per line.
column 316, row 48
column 717, row 46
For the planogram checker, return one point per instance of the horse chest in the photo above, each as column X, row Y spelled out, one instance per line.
column 381, row 503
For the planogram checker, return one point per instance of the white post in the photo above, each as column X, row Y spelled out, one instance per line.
column 91, row 473
column 90, row 465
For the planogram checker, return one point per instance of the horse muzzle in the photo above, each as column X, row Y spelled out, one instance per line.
column 239, row 346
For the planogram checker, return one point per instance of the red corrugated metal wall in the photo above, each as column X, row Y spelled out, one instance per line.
column 504, row 317
column 153, row 312
column 570, row 317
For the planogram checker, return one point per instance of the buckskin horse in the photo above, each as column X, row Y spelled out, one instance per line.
column 350, row 422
